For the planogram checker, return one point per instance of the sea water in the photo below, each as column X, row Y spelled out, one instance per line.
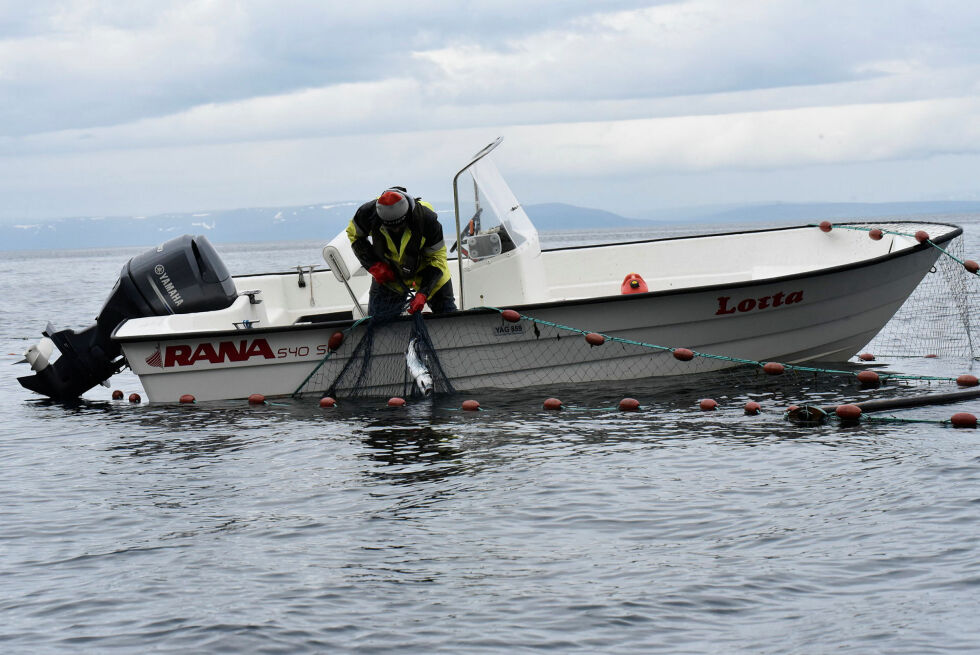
column 284, row 528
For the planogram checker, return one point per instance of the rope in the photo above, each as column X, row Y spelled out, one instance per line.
column 897, row 419
column 964, row 311
column 736, row 360
column 298, row 391
column 904, row 234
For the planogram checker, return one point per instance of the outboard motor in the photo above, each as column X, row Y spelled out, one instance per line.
column 181, row 276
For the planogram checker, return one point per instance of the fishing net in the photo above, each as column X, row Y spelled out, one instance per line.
column 388, row 356
column 936, row 319
column 498, row 348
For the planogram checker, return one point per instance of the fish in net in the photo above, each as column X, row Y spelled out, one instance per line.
column 383, row 355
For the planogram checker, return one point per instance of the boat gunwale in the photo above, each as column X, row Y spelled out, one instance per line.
column 346, row 323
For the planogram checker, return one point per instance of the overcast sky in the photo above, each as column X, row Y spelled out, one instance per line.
column 139, row 107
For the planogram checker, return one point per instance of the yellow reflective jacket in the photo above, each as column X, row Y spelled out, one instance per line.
column 417, row 255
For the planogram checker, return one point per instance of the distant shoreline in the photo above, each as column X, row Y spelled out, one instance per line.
column 273, row 225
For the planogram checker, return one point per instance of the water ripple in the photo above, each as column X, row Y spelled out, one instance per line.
column 285, row 529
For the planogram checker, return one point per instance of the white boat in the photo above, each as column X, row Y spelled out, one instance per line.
column 789, row 295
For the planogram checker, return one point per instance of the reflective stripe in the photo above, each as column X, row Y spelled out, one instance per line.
column 434, row 247
column 396, row 253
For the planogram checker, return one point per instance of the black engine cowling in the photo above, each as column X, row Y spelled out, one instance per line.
column 181, row 276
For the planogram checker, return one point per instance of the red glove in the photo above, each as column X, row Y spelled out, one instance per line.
column 382, row 273
column 418, row 302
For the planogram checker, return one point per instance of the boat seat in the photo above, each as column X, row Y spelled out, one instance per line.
column 341, row 259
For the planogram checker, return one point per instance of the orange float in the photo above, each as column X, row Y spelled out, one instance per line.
column 774, row 368
column 683, row 354
column 633, row 283
column 868, row 379
column 629, row 405
column 963, row 420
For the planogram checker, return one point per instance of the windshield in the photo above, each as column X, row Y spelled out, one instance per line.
column 488, row 206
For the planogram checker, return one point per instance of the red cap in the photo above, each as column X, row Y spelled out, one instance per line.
column 393, row 206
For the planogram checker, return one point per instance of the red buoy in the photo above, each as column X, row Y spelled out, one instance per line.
column 868, row 379
column 629, row 405
column 256, row 399
column 826, row 226
column 963, row 420
column 848, row 412
column 117, row 394
column 752, row 408
column 876, row 234
column 471, row 405
column 135, row 398
column 866, row 357
column 921, row 236
column 595, row 339
column 683, row 354
column 708, row 405
column 633, row 283
column 396, row 402
column 967, row 381
column 336, row 339
column 971, row 266
column 327, row 401
column 510, row 315
column 552, row 403
column 186, row 398
column 774, row 368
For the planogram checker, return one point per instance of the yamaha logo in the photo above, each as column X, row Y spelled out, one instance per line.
column 168, row 285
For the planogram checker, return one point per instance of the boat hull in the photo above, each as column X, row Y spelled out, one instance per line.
column 824, row 316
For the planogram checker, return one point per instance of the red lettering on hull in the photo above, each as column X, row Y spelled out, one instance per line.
column 226, row 351
column 726, row 305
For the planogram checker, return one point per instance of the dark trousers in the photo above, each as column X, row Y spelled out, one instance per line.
column 382, row 301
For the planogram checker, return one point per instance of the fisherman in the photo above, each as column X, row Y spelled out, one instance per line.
column 398, row 239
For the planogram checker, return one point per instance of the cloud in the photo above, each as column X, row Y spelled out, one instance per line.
column 266, row 74
column 705, row 46
column 80, row 64
column 757, row 140
column 595, row 155
column 77, row 65
column 116, row 107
